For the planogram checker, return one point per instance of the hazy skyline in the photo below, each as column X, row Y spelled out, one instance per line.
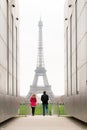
column 52, row 15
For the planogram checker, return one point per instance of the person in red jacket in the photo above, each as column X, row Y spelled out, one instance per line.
column 33, row 103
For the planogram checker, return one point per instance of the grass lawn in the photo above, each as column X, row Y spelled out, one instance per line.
column 39, row 110
column 24, row 109
column 52, row 109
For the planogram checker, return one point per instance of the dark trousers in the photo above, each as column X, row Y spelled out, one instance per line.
column 45, row 109
column 33, row 111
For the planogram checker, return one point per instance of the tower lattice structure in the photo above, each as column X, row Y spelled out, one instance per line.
column 40, row 71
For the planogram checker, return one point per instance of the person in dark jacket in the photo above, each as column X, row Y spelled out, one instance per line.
column 44, row 99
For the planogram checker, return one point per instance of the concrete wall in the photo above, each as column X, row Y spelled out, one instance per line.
column 76, row 58
column 9, row 59
column 9, row 48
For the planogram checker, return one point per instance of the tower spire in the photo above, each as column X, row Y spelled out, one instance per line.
column 40, row 61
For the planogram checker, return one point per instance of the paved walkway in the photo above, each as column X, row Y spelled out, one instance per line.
column 43, row 123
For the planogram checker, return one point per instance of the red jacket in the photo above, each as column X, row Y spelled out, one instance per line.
column 33, row 102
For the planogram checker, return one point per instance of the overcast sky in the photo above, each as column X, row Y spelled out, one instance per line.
column 52, row 15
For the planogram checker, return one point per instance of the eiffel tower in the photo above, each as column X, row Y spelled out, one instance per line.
column 40, row 71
